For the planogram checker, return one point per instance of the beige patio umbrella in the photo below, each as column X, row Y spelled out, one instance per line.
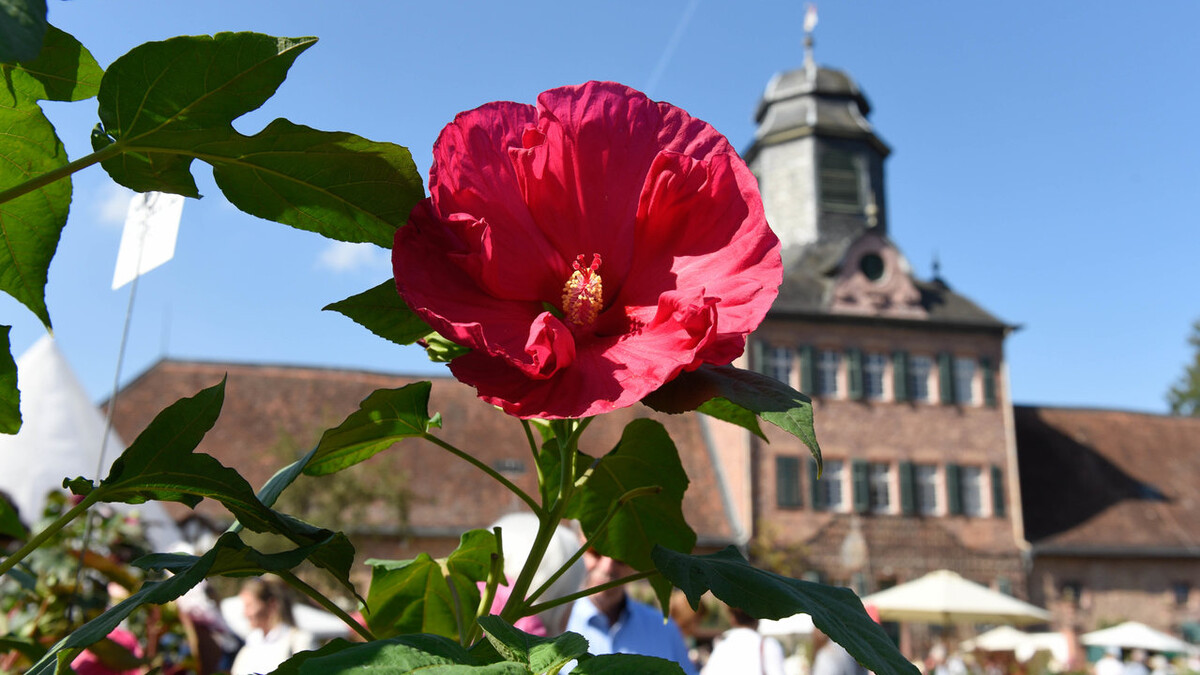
column 1134, row 635
column 945, row 598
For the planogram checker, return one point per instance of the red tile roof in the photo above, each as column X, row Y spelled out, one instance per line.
column 265, row 406
column 1109, row 482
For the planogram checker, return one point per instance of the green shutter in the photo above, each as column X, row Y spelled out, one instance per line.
column 862, row 488
column 854, row 372
column 946, row 377
column 787, row 482
column 758, row 351
column 900, row 375
column 806, row 369
column 989, row 381
column 908, row 489
column 813, row 481
column 997, row 492
column 953, row 491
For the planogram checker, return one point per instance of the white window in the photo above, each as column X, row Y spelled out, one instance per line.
column 827, row 372
column 879, row 486
column 873, row 365
column 918, row 377
column 779, row 364
column 829, row 496
column 971, row 484
column 925, row 479
column 964, row 380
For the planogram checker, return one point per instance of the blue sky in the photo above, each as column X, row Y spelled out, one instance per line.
column 1045, row 152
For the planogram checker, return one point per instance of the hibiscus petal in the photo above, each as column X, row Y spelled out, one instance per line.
column 472, row 174
column 700, row 225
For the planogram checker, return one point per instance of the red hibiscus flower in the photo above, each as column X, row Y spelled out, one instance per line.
column 587, row 250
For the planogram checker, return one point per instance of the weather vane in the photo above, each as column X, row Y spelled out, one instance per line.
column 810, row 22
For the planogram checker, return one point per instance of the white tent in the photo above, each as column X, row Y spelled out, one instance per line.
column 60, row 437
column 944, row 598
column 1134, row 635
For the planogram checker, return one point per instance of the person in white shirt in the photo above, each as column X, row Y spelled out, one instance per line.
column 741, row 649
column 274, row 637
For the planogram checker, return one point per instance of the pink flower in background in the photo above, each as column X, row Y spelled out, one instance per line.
column 587, row 250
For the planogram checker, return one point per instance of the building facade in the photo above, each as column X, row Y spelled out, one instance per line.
column 907, row 377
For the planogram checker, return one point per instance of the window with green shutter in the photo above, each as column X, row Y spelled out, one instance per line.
column 989, row 381
column 806, row 369
column 900, row 375
column 787, row 482
column 953, row 490
column 997, row 492
column 946, row 378
column 861, row 486
column 854, row 373
column 908, row 500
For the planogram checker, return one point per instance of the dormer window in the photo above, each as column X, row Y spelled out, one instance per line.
column 840, row 187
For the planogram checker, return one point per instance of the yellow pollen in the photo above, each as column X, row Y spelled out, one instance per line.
column 583, row 294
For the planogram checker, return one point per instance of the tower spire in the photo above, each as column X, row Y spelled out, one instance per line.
column 810, row 22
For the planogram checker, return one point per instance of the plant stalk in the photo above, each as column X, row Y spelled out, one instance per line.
column 295, row 582
column 529, row 501
column 52, row 529
column 42, row 180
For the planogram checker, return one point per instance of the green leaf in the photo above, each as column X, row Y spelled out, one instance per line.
column 765, row 396
column 441, row 350
column 64, row 70
column 382, row 311
column 161, row 464
column 424, row 595
column 292, row 666
column 28, row 647
column 424, row 654
column 619, row 664
column 234, row 559
column 10, row 396
column 30, row 225
column 22, row 25
column 645, row 457
column 337, row 184
column 764, row 595
column 166, row 103
column 728, row 411
column 10, row 521
column 151, row 592
column 541, row 654
column 283, row 478
column 384, row 417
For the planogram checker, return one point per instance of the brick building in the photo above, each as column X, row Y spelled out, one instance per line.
column 908, row 377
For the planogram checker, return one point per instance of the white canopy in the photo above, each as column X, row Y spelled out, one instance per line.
column 943, row 598
column 60, row 437
column 796, row 624
column 1134, row 635
column 1023, row 645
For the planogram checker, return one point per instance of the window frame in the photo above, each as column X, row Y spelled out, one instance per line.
column 920, row 367
column 927, row 485
column 833, row 480
column 874, row 369
column 963, row 371
column 879, row 480
column 829, row 363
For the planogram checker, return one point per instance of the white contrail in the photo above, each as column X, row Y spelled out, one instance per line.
column 672, row 44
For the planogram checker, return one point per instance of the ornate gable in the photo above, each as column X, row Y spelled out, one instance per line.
column 873, row 279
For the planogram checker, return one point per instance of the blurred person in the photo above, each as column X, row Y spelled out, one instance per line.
column 1110, row 663
column 830, row 658
column 741, row 649
column 274, row 637
column 615, row 623
column 1136, row 665
column 1159, row 665
column 517, row 534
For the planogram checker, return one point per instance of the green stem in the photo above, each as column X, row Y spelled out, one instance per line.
column 488, row 470
column 612, row 511
column 42, row 180
column 295, row 582
column 566, row 432
column 549, row 604
column 51, row 530
column 533, row 446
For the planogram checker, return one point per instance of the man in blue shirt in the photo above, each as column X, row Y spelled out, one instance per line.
column 614, row 623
